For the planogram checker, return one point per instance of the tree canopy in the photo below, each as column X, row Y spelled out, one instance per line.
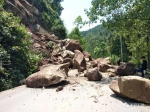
column 128, row 19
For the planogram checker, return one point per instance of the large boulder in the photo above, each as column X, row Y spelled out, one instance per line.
column 67, row 54
column 111, row 70
column 68, row 60
column 115, row 88
column 50, row 75
column 73, row 45
column 103, row 60
column 95, row 63
column 103, row 67
column 79, row 61
column 93, row 74
column 87, row 56
column 126, row 69
column 133, row 87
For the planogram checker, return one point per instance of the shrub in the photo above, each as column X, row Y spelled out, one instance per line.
column 113, row 59
column 17, row 60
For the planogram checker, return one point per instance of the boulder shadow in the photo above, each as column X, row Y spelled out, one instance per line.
column 106, row 80
column 63, row 83
column 129, row 101
column 54, row 86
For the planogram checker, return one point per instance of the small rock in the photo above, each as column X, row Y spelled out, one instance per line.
column 112, row 75
column 43, row 88
column 59, row 88
column 93, row 74
column 95, row 101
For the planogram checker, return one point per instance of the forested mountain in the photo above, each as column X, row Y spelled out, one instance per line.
column 101, row 42
column 96, row 41
column 21, row 22
column 98, row 31
column 39, row 15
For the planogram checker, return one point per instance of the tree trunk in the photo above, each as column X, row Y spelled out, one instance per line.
column 148, row 52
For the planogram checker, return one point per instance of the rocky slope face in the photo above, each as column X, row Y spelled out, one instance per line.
column 30, row 16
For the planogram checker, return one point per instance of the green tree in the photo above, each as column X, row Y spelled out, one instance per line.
column 101, row 50
column 129, row 19
column 59, row 29
column 78, row 22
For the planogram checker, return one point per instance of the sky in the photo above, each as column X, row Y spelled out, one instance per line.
column 73, row 9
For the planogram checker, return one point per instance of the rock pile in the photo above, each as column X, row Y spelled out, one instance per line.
column 60, row 52
column 68, row 50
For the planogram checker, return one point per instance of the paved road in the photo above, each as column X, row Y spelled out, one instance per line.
column 80, row 96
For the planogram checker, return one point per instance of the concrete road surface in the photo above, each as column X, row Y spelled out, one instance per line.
column 79, row 96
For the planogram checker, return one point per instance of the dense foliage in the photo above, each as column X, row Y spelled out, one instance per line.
column 17, row 61
column 97, row 39
column 50, row 11
column 101, row 42
column 128, row 19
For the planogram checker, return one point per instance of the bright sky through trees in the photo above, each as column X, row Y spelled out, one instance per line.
column 72, row 9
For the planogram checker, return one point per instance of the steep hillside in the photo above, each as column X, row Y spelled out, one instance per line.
column 28, row 30
column 99, row 31
column 42, row 21
column 42, row 16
